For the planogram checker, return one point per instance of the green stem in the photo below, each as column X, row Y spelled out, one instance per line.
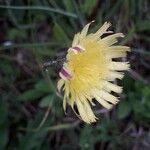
column 53, row 128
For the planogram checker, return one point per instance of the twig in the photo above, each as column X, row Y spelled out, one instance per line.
column 45, row 116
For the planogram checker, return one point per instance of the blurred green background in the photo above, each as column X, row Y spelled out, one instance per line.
column 31, row 114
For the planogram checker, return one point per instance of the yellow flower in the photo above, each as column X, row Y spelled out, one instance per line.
column 89, row 71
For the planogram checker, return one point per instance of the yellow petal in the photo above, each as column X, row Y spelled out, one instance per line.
column 82, row 111
column 104, row 103
column 76, row 40
column 103, row 29
column 64, row 103
column 108, row 97
column 89, row 111
column 111, row 39
column 112, row 87
column 112, row 75
column 85, row 110
column 119, row 66
column 60, row 84
column 124, row 48
column 116, row 53
column 85, row 30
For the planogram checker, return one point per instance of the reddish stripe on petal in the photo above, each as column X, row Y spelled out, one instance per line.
column 64, row 74
column 77, row 49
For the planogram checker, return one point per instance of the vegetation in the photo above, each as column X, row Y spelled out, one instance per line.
column 31, row 113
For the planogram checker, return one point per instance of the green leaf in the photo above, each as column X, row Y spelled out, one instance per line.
column 45, row 101
column 3, row 110
column 143, row 25
column 30, row 95
column 146, row 96
column 124, row 109
column 3, row 136
column 42, row 86
column 14, row 33
column 88, row 6
column 86, row 142
column 10, row 73
column 44, row 51
column 68, row 5
column 3, row 123
column 59, row 33
column 31, row 140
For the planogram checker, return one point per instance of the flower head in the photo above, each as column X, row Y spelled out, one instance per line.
column 89, row 71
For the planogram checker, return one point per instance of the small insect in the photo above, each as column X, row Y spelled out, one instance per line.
column 55, row 63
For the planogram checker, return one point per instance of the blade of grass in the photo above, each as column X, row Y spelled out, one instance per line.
column 70, row 8
column 42, row 8
column 114, row 9
column 129, row 35
column 141, row 51
column 80, row 16
column 138, row 27
column 12, row 17
column 29, row 45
